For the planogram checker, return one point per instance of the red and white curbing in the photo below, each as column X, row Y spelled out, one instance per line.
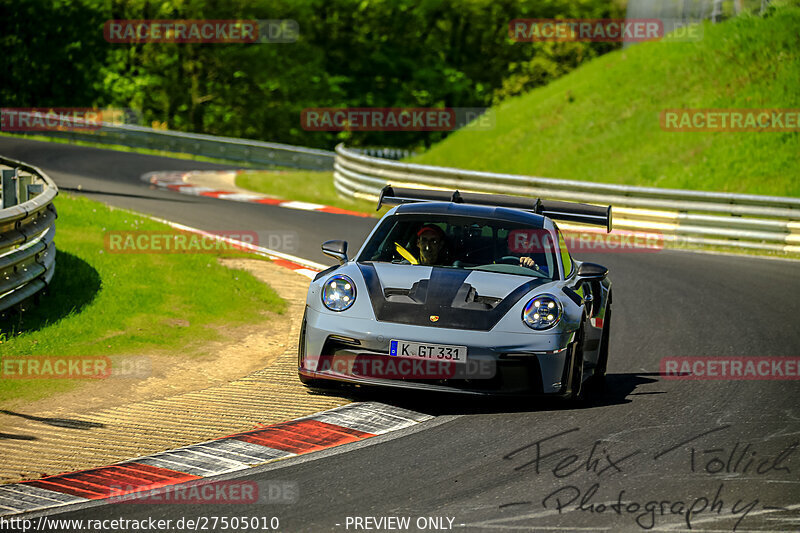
column 179, row 181
column 341, row 425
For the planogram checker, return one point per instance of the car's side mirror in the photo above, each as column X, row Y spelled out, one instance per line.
column 591, row 272
column 336, row 249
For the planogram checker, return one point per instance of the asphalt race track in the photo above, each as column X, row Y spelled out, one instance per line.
column 652, row 454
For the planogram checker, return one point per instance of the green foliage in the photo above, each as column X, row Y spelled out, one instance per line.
column 368, row 53
column 51, row 52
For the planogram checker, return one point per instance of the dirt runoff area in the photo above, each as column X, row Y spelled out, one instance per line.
column 245, row 380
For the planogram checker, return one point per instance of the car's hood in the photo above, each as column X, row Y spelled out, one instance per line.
column 444, row 297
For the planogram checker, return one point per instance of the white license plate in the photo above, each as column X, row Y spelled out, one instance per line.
column 431, row 352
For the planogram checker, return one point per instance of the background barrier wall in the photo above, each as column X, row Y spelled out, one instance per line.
column 681, row 216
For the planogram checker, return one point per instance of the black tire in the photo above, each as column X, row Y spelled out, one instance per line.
column 577, row 394
column 599, row 377
column 301, row 343
column 301, row 351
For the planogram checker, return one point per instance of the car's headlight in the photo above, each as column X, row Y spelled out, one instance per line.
column 338, row 293
column 542, row 312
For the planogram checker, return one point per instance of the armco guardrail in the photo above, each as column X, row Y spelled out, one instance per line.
column 27, row 229
column 228, row 148
column 681, row 216
column 384, row 153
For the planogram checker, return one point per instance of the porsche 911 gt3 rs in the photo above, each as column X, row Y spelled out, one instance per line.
column 462, row 292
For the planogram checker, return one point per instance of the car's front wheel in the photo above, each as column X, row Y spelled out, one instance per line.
column 577, row 394
column 599, row 377
column 301, row 352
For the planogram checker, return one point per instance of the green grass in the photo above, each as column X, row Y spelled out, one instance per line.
column 102, row 303
column 601, row 122
column 305, row 186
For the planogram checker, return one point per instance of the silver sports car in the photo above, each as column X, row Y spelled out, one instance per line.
column 461, row 292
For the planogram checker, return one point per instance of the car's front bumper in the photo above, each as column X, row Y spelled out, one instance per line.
column 352, row 350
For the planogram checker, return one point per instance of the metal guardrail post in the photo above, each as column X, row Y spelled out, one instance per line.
column 35, row 189
column 716, row 13
column 24, row 184
column 9, row 178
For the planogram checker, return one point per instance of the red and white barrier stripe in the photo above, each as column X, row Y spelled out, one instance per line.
column 342, row 425
column 179, row 181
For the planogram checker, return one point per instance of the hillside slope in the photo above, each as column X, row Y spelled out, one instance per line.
column 601, row 122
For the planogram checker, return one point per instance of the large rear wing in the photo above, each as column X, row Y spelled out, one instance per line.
column 570, row 211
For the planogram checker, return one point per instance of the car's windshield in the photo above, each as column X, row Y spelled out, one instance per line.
column 465, row 243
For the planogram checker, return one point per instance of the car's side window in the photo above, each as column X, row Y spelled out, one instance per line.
column 566, row 259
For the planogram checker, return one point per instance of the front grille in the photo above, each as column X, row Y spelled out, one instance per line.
column 516, row 376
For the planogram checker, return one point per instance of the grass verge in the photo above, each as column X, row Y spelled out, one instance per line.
column 601, row 122
column 102, row 303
